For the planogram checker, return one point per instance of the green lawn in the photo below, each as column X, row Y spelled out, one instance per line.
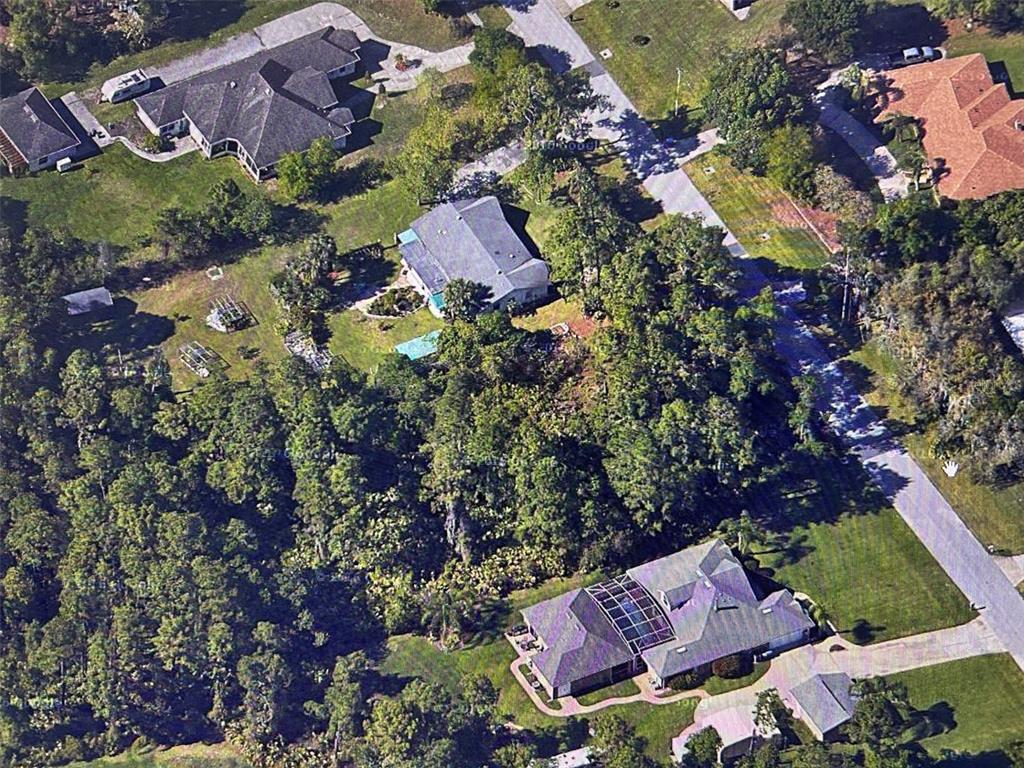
column 752, row 206
column 690, row 36
column 185, row 756
column 873, row 577
column 995, row 515
column 364, row 342
column 115, row 197
column 185, row 300
column 620, row 689
column 980, row 700
column 716, row 685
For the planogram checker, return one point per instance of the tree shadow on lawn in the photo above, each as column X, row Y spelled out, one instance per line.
column 190, row 21
column 120, row 328
column 894, row 27
column 991, row 759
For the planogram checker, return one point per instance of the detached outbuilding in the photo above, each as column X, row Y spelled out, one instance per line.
column 83, row 302
column 33, row 136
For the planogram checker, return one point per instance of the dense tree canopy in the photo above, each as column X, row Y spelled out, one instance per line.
column 828, row 27
column 750, row 93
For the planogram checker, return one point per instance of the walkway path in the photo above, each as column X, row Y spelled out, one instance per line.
column 879, row 160
column 913, row 495
column 1013, row 567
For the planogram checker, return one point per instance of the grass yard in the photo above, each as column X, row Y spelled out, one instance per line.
column 717, row 685
column 185, row 300
column 185, row 756
column 115, row 197
column 841, row 543
column 979, row 701
column 364, row 342
column 751, row 206
column 872, row 576
column 995, row 515
column 544, row 317
column 621, row 689
column 690, row 36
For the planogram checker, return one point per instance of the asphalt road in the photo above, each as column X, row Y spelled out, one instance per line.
column 903, row 481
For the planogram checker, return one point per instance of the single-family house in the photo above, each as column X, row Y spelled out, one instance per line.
column 262, row 107
column 973, row 129
column 82, row 302
column 33, row 136
column 471, row 240
column 672, row 615
column 824, row 702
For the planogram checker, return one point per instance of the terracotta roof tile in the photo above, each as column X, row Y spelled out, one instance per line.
column 970, row 123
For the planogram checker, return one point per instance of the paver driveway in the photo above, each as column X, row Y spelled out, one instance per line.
column 903, row 481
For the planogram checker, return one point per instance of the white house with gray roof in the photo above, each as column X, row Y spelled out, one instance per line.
column 672, row 615
column 472, row 240
column 263, row 107
column 33, row 136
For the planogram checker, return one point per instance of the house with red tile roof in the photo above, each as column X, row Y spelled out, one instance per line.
column 973, row 130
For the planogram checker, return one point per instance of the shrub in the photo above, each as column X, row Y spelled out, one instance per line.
column 396, row 302
column 731, row 667
column 688, row 680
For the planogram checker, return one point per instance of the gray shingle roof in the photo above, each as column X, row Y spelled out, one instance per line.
column 712, row 609
column 579, row 640
column 471, row 239
column 86, row 301
column 277, row 101
column 825, row 700
column 33, row 125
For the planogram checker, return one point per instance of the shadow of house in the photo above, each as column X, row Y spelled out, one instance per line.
column 371, row 53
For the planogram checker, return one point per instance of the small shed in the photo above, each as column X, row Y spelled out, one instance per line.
column 92, row 299
column 824, row 702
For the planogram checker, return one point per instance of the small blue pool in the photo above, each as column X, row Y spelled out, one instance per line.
column 421, row 346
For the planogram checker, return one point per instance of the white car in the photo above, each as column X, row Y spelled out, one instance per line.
column 919, row 55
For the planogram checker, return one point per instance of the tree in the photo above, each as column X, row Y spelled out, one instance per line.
column 464, row 300
column 1005, row 14
column 742, row 532
column 618, row 745
column 303, row 175
column 518, row 755
column 427, row 160
column 492, row 45
column 790, row 161
column 879, row 717
column 346, row 699
column 750, row 93
column 770, row 713
column 703, row 747
column 827, row 27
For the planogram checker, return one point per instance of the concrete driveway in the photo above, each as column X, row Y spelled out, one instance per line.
column 302, row 22
column 903, row 481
